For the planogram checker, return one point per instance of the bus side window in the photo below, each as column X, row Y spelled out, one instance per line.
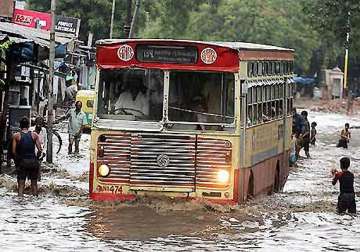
column 249, row 106
column 259, row 103
column 90, row 103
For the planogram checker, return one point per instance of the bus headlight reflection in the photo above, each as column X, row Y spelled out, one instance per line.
column 223, row 176
column 103, row 170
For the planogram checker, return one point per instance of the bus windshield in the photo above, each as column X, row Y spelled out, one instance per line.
column 197, row 98
column 131, row 94
column 203, row 97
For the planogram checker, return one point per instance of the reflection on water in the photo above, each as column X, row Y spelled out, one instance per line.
column 301, row 218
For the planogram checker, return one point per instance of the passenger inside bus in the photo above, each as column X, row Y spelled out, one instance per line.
column 133, row 100
column 207, row 98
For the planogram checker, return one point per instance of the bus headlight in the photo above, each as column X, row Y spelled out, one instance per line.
column 103, row 170
column 223, row 176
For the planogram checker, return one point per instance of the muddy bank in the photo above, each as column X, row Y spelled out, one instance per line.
column 327, row 106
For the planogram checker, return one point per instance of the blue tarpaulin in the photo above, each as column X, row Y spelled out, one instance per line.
column 304, row 80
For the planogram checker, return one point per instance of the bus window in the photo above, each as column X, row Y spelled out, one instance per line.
column 131, row 94
column 249, row 116
column 260, row 68
column 250, row 69
column 260, row 112
column 201, row 97
column 249, row 96
column 90, row 103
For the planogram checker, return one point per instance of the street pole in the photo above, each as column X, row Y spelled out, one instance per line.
column 112, row 19
column 349, row 98
column 50, row 117
column 134, row 19
column 128, row 19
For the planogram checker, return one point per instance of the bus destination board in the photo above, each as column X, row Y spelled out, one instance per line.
column 167, row 54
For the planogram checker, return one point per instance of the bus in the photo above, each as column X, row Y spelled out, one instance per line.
column 190, row 119
column 87, row 98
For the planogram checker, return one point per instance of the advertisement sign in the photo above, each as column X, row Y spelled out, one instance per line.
column 6, row 8
column 67, row 25
column 42, row 20
column 33, row 19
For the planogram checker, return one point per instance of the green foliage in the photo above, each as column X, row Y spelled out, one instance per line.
column 330, row 19
column 5, row 45
column 95, row 15
column 275, row 22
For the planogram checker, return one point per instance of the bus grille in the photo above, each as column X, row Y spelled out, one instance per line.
column 168, row 160
column 163, row 159
column 213, row 155
column 116, row 154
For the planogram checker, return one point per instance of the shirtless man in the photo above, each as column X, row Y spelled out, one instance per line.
column 23, row 150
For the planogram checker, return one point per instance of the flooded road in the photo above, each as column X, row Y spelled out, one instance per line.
column 301, row 218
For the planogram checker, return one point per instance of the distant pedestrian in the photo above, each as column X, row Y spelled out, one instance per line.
column 77, row 120
column 297, row 123
column 305, row 133
column 42, row 132
column 345, row 136
column 23, row 150
column 292, row 157
column 346, row 199
column 313, row 133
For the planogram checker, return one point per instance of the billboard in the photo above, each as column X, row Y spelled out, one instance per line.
column 33, row 19
column 67, row 25
column 42, row 20
column 6, row 8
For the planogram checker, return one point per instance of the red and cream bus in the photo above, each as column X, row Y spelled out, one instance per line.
column 190, row 119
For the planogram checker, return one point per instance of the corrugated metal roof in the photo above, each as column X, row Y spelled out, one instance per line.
column 39, row 37
column 232, row 45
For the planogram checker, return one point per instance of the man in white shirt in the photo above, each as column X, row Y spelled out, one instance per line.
column 132, row 101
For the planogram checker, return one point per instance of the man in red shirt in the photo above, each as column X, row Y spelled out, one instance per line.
column 346, row 199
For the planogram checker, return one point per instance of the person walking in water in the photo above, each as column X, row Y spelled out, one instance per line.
column 23, row 150
column 346, row 199
column 304, row 137
column 345, row 136
column 77, row 120
column 313, row 133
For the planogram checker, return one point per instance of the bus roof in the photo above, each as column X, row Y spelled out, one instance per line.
column 231, row 45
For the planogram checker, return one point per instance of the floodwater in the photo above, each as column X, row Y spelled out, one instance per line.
column 301, row 218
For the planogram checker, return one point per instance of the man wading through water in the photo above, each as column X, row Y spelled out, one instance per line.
column 346, row 199
column 23, row 149
column 77, row 120
column 304, row 137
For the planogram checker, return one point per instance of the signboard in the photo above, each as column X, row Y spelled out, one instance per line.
column 6, row 8
column 33, row 19
column 42, row 20
column 167, row 54
column 67, row 25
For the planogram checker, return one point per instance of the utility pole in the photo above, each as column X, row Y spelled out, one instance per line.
column 50, row 117
column 128, row 19
column 133, row 22
column 112, row 18
column 349, row 102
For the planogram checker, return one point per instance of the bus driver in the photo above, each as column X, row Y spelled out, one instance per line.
column 132, row 101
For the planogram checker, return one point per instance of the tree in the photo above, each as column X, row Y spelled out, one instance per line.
column 95, row 15
column 276, row 22
column 330, row 19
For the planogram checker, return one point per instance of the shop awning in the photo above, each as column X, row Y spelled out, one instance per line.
column 40, row 37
